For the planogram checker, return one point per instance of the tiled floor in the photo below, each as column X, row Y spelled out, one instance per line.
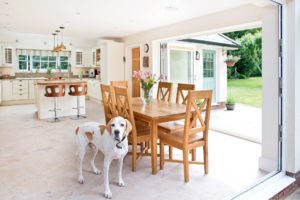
column 243, row 122
column 38, row 161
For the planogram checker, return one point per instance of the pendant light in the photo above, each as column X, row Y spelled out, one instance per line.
column 54, row 34
column 62, row 46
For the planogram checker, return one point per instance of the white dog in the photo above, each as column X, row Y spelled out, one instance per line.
column 110, row 139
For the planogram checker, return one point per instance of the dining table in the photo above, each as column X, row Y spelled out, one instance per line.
column 154, row 113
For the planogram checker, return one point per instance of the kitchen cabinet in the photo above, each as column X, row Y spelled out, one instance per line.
column 31, row 87
column 94, row 89
column 7, row 90
column 20, row 89
column 7, row 54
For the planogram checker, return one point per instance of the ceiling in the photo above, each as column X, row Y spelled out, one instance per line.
column 93, row 19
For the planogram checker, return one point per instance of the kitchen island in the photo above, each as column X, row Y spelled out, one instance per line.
column 65, row 104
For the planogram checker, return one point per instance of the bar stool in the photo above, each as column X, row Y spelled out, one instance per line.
column 55, row 91
column 78, row 90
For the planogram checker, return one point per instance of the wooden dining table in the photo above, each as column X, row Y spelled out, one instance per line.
column 154, row 113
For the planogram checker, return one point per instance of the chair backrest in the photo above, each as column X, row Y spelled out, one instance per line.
column 55, row 90
column 182, row 92
column 78, row 89
column 119, row 83
column 164, row 92
column 109, row 102
column 196, row 102
column 124, row 107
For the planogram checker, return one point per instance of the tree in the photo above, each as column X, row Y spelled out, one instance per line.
column 250, row 63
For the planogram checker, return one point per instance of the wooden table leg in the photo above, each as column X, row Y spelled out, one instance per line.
column 153, row 135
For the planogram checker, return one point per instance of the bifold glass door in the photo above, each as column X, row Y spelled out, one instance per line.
column 181, row 68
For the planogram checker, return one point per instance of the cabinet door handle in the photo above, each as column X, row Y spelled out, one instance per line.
column 20, row 85
column 20, row 89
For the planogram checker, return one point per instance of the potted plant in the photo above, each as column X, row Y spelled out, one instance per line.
column 49, row 69
column 80, row 74
column 230, row 104
column 147, row 81
column 231, row 60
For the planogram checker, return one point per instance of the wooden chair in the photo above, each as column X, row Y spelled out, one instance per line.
column 190, row 137
column 119, row 83
column 109, row 102
column 164, row 92
column 139, row 134
column 175, row 126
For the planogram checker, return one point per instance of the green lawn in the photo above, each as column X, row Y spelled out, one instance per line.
column 246, row 91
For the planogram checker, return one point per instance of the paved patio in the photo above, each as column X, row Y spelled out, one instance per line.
column 244, row 122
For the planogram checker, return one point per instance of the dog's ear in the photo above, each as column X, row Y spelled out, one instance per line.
column 108, row 126
column 128, row 126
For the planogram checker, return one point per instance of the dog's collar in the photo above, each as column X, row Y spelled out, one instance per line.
column 117, row 145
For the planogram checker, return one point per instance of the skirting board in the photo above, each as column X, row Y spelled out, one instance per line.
column 267, row 164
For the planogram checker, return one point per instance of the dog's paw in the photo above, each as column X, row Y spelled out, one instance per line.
column 108, row 195
column 121, row 184
column 97, row 172
column 80, row 180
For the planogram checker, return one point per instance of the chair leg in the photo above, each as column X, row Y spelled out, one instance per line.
column 162, row 155
column 170, row 153
column 147, row 145
column 205, row 155
column 186, row 164
column 134, row 152
column 142, row 146
column 193, row 154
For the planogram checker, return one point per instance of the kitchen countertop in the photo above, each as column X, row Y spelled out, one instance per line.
column 63, row 82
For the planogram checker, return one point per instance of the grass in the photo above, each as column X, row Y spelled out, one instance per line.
column 246, row 91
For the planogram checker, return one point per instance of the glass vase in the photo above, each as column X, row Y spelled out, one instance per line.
column 147, row 95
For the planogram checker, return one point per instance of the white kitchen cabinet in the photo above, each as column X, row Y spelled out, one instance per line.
column 94, row 89
column 112, row 64
column 20, row 89
column 31, row 87
column 7, row 54
column 7, row 90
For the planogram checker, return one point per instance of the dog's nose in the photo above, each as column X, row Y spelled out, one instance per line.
column 117, row 132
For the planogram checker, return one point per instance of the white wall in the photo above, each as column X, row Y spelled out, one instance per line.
column 268, row 159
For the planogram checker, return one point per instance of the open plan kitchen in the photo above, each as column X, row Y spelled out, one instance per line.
column 160, row 99
column 27, row 69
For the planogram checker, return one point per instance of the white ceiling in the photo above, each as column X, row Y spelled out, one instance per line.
column 93, row 19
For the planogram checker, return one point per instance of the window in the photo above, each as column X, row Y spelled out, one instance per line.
column 208, row 64
column 64, row 62
column 24, row 62
column 43, row 62
column 8, row 55
column 78, row 58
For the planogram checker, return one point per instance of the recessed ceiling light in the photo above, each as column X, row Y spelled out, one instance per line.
column 6, row 14
column 5, row 3
column 77, row 13
column 171, row 8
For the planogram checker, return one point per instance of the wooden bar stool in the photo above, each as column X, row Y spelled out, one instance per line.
column 78, row 90
column 55, row 91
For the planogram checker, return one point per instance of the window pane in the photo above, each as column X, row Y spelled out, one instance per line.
column 52, row 65
column 45, row 58
column 52, row 58
column 22, row 65
column 64, row 65
column 22, row 57
column 44, row 65
column 36, row 58
column 64, row 58
column 28, row 60
column 36, row 65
